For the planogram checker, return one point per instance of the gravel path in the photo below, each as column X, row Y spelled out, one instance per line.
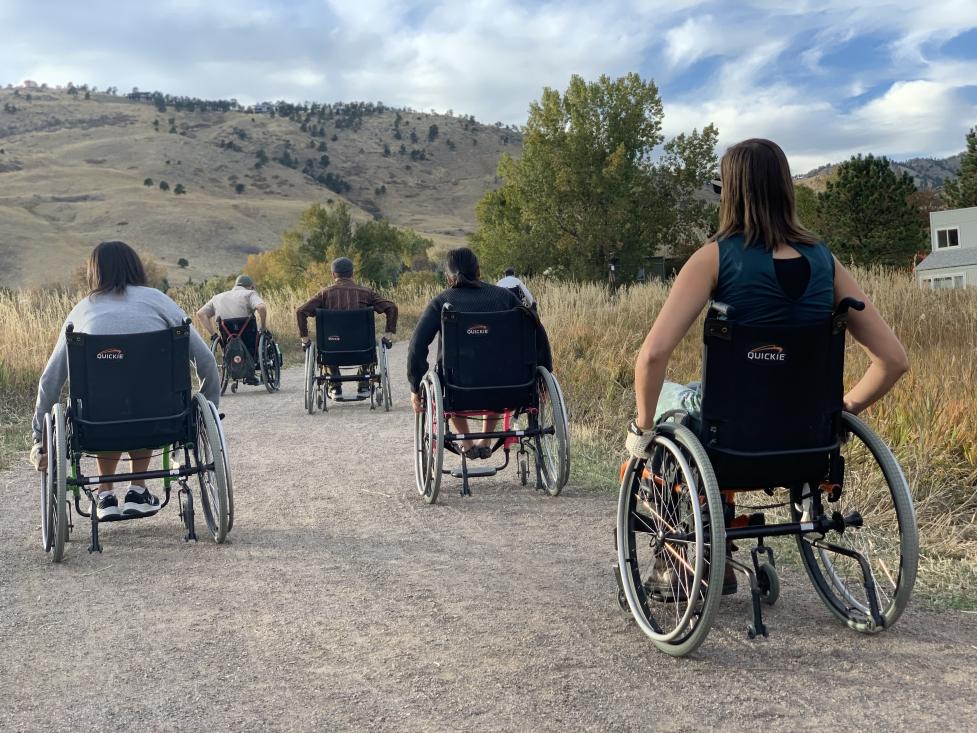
column 341, row 601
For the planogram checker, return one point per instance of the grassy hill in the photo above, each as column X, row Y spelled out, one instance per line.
column 72, row 173
column 926, row 172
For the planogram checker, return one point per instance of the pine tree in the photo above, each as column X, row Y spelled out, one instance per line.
column 961, row 192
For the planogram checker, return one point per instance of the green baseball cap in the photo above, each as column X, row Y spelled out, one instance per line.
column 244, row 281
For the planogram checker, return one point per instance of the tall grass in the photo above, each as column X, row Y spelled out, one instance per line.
column 929, row 419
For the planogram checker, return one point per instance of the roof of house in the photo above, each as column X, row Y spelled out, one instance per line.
column 942, row 259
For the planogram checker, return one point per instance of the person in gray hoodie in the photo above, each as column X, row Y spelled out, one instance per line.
column 118, row 302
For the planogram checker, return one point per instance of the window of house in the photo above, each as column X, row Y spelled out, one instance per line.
column 946, row 282
column 947, row 238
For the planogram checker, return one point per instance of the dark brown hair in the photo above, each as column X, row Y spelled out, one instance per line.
column 757, row 198
column 112, row 267
column 461, row 267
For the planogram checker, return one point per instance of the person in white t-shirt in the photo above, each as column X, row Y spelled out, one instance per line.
column 239, row 302
column 516, row 286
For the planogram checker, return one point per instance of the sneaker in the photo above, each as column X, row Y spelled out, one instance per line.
column 139, row 503
column 363, row 389
column 107, row 507
column 335, row 392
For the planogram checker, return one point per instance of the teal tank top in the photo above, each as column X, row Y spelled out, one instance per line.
column 748, row 282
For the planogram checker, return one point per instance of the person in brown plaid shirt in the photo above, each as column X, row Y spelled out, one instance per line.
column 344, row 294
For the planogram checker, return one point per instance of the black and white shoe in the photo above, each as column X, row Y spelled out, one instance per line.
column 363, row 390
column 139, row 503
column 107, row 507
column 336, row 393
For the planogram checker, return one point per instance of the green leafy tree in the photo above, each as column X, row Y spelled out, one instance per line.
column 432, row 133
column 164, row 186
column 183, row 262
column 961, row 192
column 148, row 182
column 179, row 189
column 587, row 191
column 868, row 215
column 806, row 205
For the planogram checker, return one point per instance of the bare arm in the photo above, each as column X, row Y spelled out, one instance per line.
column 204, row 319
column 889, row 360
column 262, row 311
column 688, row 296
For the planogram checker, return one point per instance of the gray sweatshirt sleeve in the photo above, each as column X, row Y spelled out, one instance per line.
column 49, row 387
column 203, row 360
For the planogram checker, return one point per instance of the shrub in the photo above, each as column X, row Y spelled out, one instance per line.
column 164, row 186
column 183, row 262
column 148, row 182
column 180, row 189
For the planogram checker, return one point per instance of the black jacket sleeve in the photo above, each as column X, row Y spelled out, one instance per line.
column 544, row 355
column 424, row 333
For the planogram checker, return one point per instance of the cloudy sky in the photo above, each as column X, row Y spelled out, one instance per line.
column 825, row 78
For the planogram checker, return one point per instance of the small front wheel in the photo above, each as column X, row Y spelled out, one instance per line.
column 769, row 584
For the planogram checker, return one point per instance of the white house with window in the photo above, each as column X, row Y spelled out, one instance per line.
column 952, row 263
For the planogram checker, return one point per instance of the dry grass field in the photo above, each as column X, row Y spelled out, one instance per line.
column 930, row 419
column 72, row 174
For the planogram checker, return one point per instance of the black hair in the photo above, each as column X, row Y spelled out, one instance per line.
column 510, row 272
column 461, row 265
column 112, row 267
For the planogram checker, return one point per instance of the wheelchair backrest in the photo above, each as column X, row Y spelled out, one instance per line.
column 488, row 360
column 129, row 391
column 345, row 338
column 245, row 328
column 771, row 399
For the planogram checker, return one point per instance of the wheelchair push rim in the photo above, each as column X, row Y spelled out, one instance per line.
column 669, row 526
column 874, row 486
column 429, row 439
column 310, row 380
column 385, row 396
column 54, row 503
column 214, row 475
column 554, row 448
column 271, row 363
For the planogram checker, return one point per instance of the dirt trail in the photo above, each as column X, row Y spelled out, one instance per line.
column 342, row 601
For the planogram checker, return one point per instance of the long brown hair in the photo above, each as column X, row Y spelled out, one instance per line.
column 757, row 198
column 113, row 266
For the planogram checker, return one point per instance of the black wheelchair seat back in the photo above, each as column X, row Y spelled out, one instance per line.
column 244, row 328
column 129, row 391
column 345, row 338
column 488, row 360
column 771, row 400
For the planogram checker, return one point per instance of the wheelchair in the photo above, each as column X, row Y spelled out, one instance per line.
column 488, row 368
column 103, row 414
column 265, row 355
column 343, row 340
column 839, row 488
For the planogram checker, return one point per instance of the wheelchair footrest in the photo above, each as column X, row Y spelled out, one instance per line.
column 351, row 398
column 475, row 472
column 126, row 517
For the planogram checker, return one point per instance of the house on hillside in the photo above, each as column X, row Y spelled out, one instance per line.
column 263, row 108
column 952, row 263
column 141, row 96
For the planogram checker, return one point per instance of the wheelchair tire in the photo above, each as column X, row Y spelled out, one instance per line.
column 678, row 619
column 429, row 429
column 230, row 481
column 310, row 381
column 271, row 363
column 888, row 538
column 57, row 476
column 553, row 451
column 385, row 396
column 769, row 584
column 214, row 482
column 218, row 351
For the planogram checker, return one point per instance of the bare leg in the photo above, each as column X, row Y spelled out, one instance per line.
column 491, row 423
column 139, row 460
column 107, row 463
column 460, row 425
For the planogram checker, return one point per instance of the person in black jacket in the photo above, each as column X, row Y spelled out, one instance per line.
column 467, row 293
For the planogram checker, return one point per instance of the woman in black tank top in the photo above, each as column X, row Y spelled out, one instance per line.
column 764, row 282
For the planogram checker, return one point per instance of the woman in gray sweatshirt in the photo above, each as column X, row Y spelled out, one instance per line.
column 119, row 302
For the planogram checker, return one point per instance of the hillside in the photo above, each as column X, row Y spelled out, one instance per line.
column 926, row 172
column 72, row 173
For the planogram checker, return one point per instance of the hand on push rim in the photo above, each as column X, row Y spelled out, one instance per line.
column 415, row 400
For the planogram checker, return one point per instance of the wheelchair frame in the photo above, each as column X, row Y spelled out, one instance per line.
column 681, row 454
column 269, row 358
column 201, row 418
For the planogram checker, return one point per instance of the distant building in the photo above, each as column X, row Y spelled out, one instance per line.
column 263, row 108
column 28, row 84
column 952, row 263
column 141, row 96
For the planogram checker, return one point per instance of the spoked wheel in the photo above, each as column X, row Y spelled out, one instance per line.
column 553, row 448
column 384, row 393
column 671, row 542
column 217, row 349
column 310, row 382
column 429, row 439
column 54, row 504
column 874, row 487
column 215, row 482
column 271, row 362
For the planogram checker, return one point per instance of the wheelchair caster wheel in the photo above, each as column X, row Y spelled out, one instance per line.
column 750, row 632
column 523, row 470
column 769, row 583
column 234, row 387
